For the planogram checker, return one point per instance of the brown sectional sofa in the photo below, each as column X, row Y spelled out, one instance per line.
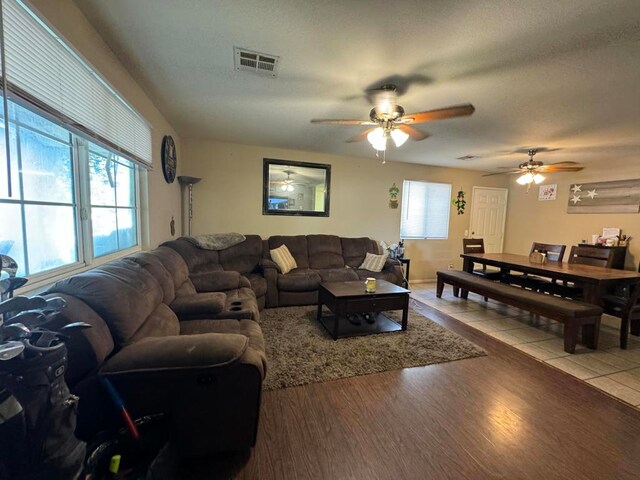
column 167, row 349
column 320, row 258
column 176, row 330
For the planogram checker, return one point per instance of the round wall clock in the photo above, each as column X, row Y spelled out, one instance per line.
column 169, row 159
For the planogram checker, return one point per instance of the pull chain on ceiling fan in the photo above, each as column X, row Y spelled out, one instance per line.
column 389, row 121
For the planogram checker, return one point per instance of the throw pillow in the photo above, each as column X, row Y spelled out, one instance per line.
column 283, row 258
column 373, row 263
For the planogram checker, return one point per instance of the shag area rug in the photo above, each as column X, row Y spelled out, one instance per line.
column 300, row 351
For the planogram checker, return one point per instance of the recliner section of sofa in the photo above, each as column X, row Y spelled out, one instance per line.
column 205, row 374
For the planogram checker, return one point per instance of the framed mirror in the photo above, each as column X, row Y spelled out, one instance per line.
column 295, row 188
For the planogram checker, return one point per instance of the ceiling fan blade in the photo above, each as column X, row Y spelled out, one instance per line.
column 502, row 173
column 439, row 114
column 327, row 121
column 414, row 133
column 361, row 136
column 551, row 168
column 564, row 163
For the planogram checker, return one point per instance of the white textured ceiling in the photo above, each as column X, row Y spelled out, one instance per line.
column 561, row 74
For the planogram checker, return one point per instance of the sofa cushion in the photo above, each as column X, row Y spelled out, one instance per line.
column 297, row 245
column 217, row 281
column 152, row 264
column 206, row 302
column 355, row 249
column 388, row 275
column 299, row 280
column 175, row 265
column 162, row 322
column 283, row 258
column 337, row 274
column 325, row 251
column 121, row 292
column 193, row 256
column 247, row 328
column 373, row 263
column 243, row 257
column 258, row 283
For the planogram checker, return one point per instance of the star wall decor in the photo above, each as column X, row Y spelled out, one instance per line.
column 618, row 196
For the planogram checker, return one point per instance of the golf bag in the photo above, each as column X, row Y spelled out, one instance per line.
column 37, row 411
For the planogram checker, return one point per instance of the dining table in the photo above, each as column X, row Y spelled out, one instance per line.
column 595, row 281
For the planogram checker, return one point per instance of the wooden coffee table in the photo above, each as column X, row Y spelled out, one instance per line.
column 344, row 298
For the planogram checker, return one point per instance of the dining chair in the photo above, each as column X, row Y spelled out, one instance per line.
column 476, row 245
column 555, row 253
column 625, row 304
column 580, row 255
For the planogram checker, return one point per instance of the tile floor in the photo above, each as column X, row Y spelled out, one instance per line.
column 609, row 368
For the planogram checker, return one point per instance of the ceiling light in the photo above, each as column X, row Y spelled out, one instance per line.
column 283, row 188
column 399, row 137
column 289, row 188
column 538, row 178
column 378, row 139
column 525, row 179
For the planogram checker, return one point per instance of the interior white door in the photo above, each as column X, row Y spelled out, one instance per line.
column 488, row 213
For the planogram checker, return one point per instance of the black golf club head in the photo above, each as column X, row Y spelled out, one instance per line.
column 9, row 265
column 14, row 331
column 53, row 305
column 22, row 303
column 75, row 326
column 11, row 350
column 31, row 319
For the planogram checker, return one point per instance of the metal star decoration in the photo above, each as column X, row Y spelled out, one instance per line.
column 592, row 194
column 576, row 199
column 576, row 188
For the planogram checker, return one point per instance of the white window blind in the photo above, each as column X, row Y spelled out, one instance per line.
column 44, row 70
column 425, row 210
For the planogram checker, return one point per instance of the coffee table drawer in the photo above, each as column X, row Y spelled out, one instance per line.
column 374, row 304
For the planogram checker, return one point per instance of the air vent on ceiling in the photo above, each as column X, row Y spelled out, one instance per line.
column 256, row 62
column 467, row 157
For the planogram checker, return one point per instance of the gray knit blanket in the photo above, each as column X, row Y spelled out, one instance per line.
column 217, row 241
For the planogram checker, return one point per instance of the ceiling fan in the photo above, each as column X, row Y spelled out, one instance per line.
column 287, row 185
column 531, row 171
column 388, row 120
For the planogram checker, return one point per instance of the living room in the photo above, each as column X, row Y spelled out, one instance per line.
column 470, row 388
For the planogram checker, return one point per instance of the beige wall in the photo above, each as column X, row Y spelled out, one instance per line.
column 163, row 199
column 531, row 220
column 229, row 198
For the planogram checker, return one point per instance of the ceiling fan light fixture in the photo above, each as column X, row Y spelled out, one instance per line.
column 525, row 178
column 399, row 137
column 378, row 139
column 537, row 178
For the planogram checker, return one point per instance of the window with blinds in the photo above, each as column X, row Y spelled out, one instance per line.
column 42, row 69
column 425, row 210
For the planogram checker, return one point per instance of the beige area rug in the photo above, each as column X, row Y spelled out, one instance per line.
column 300, row 351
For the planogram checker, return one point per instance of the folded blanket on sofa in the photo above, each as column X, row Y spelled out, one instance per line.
column 217, row 241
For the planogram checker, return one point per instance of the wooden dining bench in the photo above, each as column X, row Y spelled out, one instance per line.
column 573, row 314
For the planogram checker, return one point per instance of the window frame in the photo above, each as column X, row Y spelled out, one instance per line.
column 81, row 202
column 402, row 200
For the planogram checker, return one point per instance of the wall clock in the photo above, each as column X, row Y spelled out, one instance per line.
column 169, row 159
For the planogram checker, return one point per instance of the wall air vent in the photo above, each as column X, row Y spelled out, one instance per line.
column 260, row 63
column 467, row 157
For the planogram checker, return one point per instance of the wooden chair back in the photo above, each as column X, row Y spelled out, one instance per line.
column 555, row 253
column 472, row 245
column 587, row 255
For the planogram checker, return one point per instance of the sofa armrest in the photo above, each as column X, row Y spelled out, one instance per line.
column 270, row 272
column 265, row 264
column 177, row 352
column 199, row 304
column 216, row 281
